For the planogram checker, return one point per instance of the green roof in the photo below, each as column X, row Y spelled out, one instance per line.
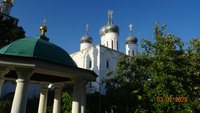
column 38, row 48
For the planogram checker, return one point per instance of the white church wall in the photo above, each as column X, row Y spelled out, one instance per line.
column 131, row 49
column 103, row 40
column 98, row 55
column 110, row 55
column 83, row 59
column 85, row 45
column 79, row 57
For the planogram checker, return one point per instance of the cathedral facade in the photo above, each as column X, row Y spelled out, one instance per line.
column 103, row 58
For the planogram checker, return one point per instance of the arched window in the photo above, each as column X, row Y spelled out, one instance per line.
column 117, row 45
column 112, row 44
column 133, row 52
column 90, row 84
column 128, row 52
column 107, row 64
column 107, row 44
column 90, row 64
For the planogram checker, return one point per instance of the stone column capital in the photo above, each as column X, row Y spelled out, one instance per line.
column 24, row 74
column 80, row 82
column 59, row 86
column 44, row 85
column 3, row 71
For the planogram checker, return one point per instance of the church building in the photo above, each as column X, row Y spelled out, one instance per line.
column 103, row 57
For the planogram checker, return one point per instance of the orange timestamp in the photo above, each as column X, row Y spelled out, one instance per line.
column 179, row 99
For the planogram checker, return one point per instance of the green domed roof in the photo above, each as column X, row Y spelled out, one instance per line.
column 40, row 49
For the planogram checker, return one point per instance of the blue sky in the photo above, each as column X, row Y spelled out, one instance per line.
column 66, row 19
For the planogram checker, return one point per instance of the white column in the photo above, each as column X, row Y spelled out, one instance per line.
column 83, row 97
column 43, row 98
column 20, row 97
column 57, row 98
column 79, row 97
column 76, row 102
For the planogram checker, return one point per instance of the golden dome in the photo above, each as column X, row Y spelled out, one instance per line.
column 8, row 1
column 43, row 28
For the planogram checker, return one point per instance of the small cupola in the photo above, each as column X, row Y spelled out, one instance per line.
column 131, row 39
column 43, row 30
column 131, row 43
column 5, row 7
column 86, row 38
column 8, row 1
column 86, row 41
column 110, row 27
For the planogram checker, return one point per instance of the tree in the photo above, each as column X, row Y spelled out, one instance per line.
column 9, row 32
column 66, row 102
column 5, row 105
column 164, row 78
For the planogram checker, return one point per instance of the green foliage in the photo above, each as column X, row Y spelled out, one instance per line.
column 93, row 102
column 165, row 69
column 49, row 109
column 9, row 32
column 5, row 105
column 66, row 103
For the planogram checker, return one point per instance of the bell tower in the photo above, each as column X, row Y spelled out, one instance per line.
column 86, row 41
column 6, row 6
column 109, row 33
column 131, row 43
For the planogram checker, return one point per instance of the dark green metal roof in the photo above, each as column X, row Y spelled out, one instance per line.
column 38, row 48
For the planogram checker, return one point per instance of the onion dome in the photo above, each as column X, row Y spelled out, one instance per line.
column 86, row 38
column 43, row 30
column 110, row 27
column 8, row 1
column 131, row 39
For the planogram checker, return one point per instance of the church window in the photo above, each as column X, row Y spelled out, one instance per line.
column 107, row 64
column 117, row 45
column 107, row 44
column 90, row 64
column 112, row 44
column 128, row 52
column 133, row 52
column 90, row 84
